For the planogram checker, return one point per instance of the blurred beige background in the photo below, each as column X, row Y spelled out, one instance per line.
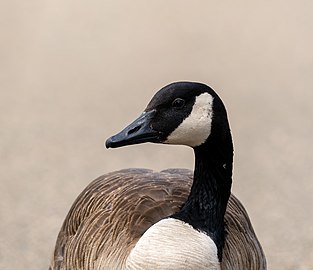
column 72, row 73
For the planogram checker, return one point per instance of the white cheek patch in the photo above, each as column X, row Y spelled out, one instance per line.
column 196, row 128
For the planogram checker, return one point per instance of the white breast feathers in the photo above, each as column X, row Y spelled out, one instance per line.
column 173, row 245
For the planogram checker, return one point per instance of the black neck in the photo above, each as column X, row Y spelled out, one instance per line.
column 206, row 205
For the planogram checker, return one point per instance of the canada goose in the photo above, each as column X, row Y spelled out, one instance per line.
column 169, row 220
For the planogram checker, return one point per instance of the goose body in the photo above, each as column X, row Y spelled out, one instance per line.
column 173, row 219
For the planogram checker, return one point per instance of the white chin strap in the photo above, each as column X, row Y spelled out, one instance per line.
column 196, row 128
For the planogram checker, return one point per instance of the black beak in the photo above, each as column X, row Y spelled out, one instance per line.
column 139, row 131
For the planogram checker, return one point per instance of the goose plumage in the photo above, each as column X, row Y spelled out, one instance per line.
column 131, row 219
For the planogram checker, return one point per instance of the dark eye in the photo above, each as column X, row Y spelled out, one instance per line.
column 178, row 103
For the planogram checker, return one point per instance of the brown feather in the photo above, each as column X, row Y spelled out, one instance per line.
column 112, row 213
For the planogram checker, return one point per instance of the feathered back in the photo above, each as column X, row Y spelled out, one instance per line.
column 113, row 212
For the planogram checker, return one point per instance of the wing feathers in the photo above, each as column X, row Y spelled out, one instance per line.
column 111, row 214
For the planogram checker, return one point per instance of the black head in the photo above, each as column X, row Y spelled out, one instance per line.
column 185, row 113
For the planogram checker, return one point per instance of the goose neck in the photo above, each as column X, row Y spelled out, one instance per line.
column 206, row 205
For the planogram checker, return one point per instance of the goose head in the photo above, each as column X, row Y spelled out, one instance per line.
column 181, row 113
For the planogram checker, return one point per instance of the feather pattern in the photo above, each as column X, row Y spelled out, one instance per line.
column 113, row 212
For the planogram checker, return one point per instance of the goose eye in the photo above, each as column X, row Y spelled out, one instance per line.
column 178, row 103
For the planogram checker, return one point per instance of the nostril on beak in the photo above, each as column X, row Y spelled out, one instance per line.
column 133, row 130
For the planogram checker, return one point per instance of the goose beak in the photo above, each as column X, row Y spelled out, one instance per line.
column 139, row 131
